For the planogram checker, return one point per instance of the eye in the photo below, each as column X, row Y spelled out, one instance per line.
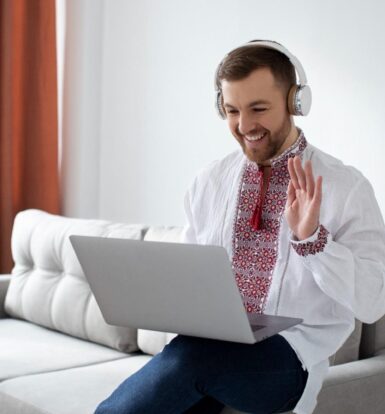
column 259, row 109
column 231, row 111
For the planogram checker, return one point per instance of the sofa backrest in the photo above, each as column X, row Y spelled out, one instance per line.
column 373, row 338
column 48, row 286
column 349, row 351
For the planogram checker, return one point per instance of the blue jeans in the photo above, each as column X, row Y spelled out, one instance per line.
column 197, row 375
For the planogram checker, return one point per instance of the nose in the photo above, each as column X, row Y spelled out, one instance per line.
column 246, row 124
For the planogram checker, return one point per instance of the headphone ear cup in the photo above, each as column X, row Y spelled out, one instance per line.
column 299, row 100
column 291, row 100
column 218, row 104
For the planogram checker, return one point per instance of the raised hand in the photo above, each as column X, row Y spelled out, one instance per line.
column 303, row 199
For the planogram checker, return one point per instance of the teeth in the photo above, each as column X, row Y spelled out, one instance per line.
column 254, row 137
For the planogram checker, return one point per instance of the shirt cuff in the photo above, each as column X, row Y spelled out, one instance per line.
column 313, row 244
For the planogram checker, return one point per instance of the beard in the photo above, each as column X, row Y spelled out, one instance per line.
column 272, row 145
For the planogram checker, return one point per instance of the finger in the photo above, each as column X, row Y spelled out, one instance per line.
column 309, row 178
column 300, row 173
column 318, row 192
column 290, row 194
column 293, row 174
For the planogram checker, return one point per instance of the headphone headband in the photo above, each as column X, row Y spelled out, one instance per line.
column 277, row 46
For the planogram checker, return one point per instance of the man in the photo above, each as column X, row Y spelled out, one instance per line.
column 294, row 251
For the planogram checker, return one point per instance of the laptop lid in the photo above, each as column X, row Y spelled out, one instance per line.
column 171, row 287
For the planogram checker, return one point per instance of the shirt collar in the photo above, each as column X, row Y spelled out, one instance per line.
column 297, row 148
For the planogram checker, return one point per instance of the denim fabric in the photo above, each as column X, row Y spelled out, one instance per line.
column 197, row 375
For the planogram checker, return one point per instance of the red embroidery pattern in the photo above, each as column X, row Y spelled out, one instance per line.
column 255, row 252
column 313, row 247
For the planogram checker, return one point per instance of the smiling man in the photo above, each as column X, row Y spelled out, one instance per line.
column 300, row 247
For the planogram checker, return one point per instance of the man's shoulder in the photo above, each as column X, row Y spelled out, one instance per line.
column 222, row 167
column 332, row 168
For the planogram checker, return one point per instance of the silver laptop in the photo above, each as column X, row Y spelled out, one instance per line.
column 171, row 287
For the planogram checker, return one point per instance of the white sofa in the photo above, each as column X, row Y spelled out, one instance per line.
column 58, row 356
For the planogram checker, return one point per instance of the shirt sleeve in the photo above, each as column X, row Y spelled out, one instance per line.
column 313, row 244
column 188, row 233
column 350, row 265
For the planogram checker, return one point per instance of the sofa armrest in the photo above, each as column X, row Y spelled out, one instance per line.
column 354, row 388
column 4, row 283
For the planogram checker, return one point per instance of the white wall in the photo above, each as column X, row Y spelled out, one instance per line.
column 82, row 105
column 144, row 116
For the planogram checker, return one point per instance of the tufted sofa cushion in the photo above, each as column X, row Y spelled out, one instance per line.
column 48, row 286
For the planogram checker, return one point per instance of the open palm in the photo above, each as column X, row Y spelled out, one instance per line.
column 303, row 199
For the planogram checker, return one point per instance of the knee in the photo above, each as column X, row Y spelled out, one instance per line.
column 106, row 408
column 183, row 353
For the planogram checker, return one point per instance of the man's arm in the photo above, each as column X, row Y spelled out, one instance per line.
column 188, row 235
column 350, row 266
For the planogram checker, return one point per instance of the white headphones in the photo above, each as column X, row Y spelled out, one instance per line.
column 299, row 96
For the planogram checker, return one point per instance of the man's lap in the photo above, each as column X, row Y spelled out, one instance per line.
column 194, row 375
column 239, row 374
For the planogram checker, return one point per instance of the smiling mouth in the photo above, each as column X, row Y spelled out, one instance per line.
column 254, row 138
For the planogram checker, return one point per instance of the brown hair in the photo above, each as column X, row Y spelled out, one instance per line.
column 240, row 62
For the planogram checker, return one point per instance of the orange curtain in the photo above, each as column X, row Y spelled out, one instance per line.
column 28, row 114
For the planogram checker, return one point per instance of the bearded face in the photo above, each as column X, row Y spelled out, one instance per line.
column 257, row 115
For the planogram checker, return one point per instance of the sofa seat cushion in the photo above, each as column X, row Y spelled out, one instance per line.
column 77, row 390
column 30, row 349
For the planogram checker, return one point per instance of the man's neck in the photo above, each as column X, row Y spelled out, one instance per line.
column 289, row 141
